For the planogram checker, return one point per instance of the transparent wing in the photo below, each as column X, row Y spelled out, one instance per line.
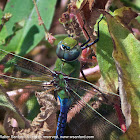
column 22, row 64
column 23, row 71
column 26, row 77
column 34, row 83
column 92, row 112
column 84, row 85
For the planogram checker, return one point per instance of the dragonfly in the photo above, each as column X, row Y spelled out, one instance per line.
column 70, row 90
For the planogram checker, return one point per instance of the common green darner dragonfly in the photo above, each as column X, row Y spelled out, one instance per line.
column 64, row 80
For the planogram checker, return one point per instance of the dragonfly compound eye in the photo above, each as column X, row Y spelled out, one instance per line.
column 68, row 50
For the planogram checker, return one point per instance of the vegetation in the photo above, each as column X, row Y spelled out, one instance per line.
column 117, row 61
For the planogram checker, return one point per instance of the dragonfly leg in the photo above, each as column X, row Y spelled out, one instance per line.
column 95, row 41
column 83, row 75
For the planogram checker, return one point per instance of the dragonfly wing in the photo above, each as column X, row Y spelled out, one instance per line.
column 24, row 73
column 89, row 112
column 15, row 63
column 34, row 83
column 84, row 85
column 26, row 77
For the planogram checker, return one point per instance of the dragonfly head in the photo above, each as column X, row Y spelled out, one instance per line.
column 68, row 49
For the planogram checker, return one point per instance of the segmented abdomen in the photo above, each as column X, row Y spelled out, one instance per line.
column 62, row 119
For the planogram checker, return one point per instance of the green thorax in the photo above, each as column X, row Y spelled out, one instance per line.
column 70, row 42
column 71, row 69
column 62, row 86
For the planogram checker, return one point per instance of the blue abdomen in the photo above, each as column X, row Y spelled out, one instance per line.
column 62, row 119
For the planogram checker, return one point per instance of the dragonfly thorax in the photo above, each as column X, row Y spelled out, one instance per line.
column 68, row 49
column 59, row 80
column 60, row 83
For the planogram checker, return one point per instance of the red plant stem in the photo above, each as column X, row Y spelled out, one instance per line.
column 79, row 106
column 120, row 117
column 81, row 23
column 39, row 17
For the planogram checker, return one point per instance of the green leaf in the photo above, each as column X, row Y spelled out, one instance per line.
column 78, row 3
column 26, row 38
column 105, row 59
column 17, row 9
column 1, row 14
column 6, row 103
column 134, row 4
column 127, row 56
column 33, row 108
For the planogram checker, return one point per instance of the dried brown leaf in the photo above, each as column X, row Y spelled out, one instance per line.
column 125, row 15
column 91, row 2
column 43, row 125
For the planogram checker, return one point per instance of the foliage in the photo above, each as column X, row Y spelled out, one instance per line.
column 117, row 50
column 22, row 33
